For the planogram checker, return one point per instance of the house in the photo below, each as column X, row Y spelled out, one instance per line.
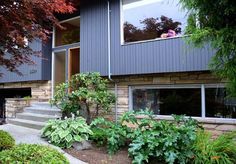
column 140, row 46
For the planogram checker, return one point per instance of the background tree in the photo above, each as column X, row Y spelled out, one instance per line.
column 22, row 21
column 214, row 22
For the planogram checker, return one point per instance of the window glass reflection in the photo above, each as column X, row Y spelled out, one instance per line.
column 150, row 19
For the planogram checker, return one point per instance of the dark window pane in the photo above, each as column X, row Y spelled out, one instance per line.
column 218, row 105
column 181, row 101
column 168, row 101
column 150, row 19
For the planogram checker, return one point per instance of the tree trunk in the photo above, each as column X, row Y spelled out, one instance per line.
column 88, row 119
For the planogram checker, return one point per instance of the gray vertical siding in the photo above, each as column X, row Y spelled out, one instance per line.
column 39, row 71
column 158, row 56
column 93, row 39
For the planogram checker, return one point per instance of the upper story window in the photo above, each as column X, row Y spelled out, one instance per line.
column 70, row 33
column 151, row 19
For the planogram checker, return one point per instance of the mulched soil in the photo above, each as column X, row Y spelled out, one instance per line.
column 98, row 155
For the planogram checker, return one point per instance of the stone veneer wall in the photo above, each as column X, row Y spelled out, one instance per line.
column 218, row 128
column 15, row 105
column 39, row 89
column 206, row 77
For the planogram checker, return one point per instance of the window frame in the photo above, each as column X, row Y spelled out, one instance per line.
column 202, row 87
column 122, row 40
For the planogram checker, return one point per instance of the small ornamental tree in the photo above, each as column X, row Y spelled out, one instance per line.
column 86, row 94
column 22, row 21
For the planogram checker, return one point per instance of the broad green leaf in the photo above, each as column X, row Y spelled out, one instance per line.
column 69, row 138
column 78, row 138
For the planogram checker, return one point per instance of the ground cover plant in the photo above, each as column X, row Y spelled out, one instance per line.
column 221, row 150
column 27, row 153
column 64, row 133
column 6, row 140
column 86, row 94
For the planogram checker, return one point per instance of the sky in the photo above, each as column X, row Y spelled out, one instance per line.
column 141, row 9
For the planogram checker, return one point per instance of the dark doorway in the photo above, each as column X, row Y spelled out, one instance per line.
column 11, row 93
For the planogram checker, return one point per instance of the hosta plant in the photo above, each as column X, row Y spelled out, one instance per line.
column 64, row 133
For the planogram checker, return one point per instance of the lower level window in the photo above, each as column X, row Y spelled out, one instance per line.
column 187, row 101
column 218, row 104
column 168, row 101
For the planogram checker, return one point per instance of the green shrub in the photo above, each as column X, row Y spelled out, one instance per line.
column 221, row 150
column 109, row 133
column 25, row 153
column 164, row 141
column 87, row 90
column 64, row 133
column 6, row 140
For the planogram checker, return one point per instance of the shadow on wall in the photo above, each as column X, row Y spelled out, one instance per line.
column 11, row 93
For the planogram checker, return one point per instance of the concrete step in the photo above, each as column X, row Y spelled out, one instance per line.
column 35, row 117
column 43, row 105
column 42, row 110
column 27, row 123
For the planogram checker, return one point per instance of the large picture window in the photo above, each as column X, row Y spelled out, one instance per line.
column 151, row 19
column 168, row 101
column 184, row 101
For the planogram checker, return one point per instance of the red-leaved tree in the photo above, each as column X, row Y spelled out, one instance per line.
column 22, row 21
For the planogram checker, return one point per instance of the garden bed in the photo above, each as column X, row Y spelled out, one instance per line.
column 99, row 155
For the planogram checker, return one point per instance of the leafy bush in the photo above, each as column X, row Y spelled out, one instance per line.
column 64, row 133
column 109, row 133
column 6, row 140
column 219, row 151
column 25, row 153
column 164, row 141
column 86, row 91
column 148, row 138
